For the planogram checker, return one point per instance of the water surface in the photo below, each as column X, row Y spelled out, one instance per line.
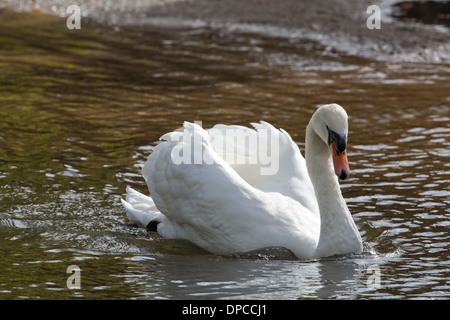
column 79, row 110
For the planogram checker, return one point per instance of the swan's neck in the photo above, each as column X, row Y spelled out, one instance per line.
column 338, row 232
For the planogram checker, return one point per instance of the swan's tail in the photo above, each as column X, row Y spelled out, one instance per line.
column 140, row 208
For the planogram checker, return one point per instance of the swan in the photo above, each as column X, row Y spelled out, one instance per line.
column 211, row 190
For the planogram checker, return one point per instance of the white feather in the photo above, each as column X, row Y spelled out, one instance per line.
column 218, row 197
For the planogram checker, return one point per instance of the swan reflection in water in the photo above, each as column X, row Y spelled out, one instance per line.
column 255, row 277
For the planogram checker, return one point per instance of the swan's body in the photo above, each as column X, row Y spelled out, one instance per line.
column 233, row 207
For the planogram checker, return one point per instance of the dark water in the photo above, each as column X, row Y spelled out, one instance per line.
column 79, row 110
column 429, row 12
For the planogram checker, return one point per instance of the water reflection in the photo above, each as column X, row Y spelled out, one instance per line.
column 212, row 277
column 80, row 111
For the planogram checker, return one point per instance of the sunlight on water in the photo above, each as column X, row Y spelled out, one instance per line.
column 80, row 112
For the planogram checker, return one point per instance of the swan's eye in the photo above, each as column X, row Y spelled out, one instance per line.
column 341, row 140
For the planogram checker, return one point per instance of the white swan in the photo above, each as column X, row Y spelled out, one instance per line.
column 232, row 207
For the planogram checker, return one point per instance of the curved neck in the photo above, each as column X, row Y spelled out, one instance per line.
column 338, row 232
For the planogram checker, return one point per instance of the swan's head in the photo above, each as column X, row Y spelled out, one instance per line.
column 331, row 124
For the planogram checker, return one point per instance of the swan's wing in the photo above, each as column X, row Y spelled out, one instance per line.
column 267, row 158
column 207, row 202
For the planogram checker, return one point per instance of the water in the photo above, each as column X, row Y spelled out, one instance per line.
column 80, row 110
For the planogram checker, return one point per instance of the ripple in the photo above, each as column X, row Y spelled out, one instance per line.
column 68, row 150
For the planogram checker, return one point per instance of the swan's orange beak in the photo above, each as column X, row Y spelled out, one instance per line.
column 341, row 167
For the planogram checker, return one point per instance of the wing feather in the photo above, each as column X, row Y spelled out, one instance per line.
column 205, row 199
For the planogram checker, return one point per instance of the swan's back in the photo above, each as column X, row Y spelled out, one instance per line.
column 235, row 206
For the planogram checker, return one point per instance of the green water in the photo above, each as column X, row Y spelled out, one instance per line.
column 80, row 108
